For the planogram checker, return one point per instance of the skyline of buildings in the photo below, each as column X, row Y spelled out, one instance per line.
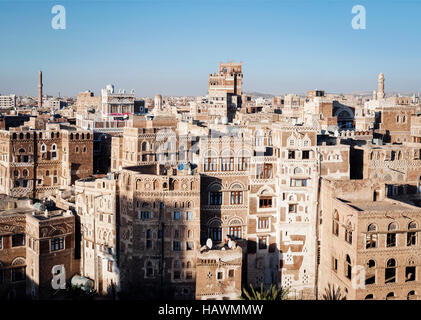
column 198, row 197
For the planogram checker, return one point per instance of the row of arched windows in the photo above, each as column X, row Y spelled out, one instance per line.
column 372, row 233
column 391, row 237
column 177, row 204
column 27, row 136
column 77, row 136
column 391, row 295
column 389, row 270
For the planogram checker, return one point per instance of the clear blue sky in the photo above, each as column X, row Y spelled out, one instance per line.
column 170, row 46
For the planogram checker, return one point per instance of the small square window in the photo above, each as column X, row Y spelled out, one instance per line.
column 292, row 208
column 18, row 240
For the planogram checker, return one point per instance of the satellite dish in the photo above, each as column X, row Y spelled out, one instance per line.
column 229, row 243
column 209, row 243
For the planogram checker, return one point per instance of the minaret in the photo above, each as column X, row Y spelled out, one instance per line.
column 40, row 89
column 158, row 102
column 374, row 95
column 380, row 92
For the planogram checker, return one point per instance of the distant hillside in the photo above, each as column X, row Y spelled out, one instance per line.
column 259, row 94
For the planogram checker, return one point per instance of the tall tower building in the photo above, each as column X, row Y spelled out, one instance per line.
column 380, row 92
column 224, row 91
column 158, row 102
column 228, row 80
column 40, row 89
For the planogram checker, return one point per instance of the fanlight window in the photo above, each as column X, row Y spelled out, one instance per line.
column 371, row 237
column 411, row 239
column 391, row 235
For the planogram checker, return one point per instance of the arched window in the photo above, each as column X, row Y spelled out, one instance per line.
column 348, row 233
column 390, row 295
column 77, row 136
column 371, row 237
column 411, row 295
column 21, row 136
column 149, row 269
column 181, row 153
column 215, row 230
column 391, row 235
column 390, row 272
column 348, row 267
column 235, row 229
column 411, row 238
column 335, row 226
column 43, row 148
column 410, row 270
column 25, row 172
column 148, row 234
column 211, row 161
column 53, row 147
column 188, row 265
column 370, row 274
column 144, row 146
column 369, row 297
column 21, row 150
column 19, row 261
column 259, row 138
column 177, row 264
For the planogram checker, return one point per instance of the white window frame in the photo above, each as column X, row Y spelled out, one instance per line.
column 64, row 243
column 260, row 229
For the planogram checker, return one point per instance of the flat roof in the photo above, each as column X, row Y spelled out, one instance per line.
column 381, row 206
